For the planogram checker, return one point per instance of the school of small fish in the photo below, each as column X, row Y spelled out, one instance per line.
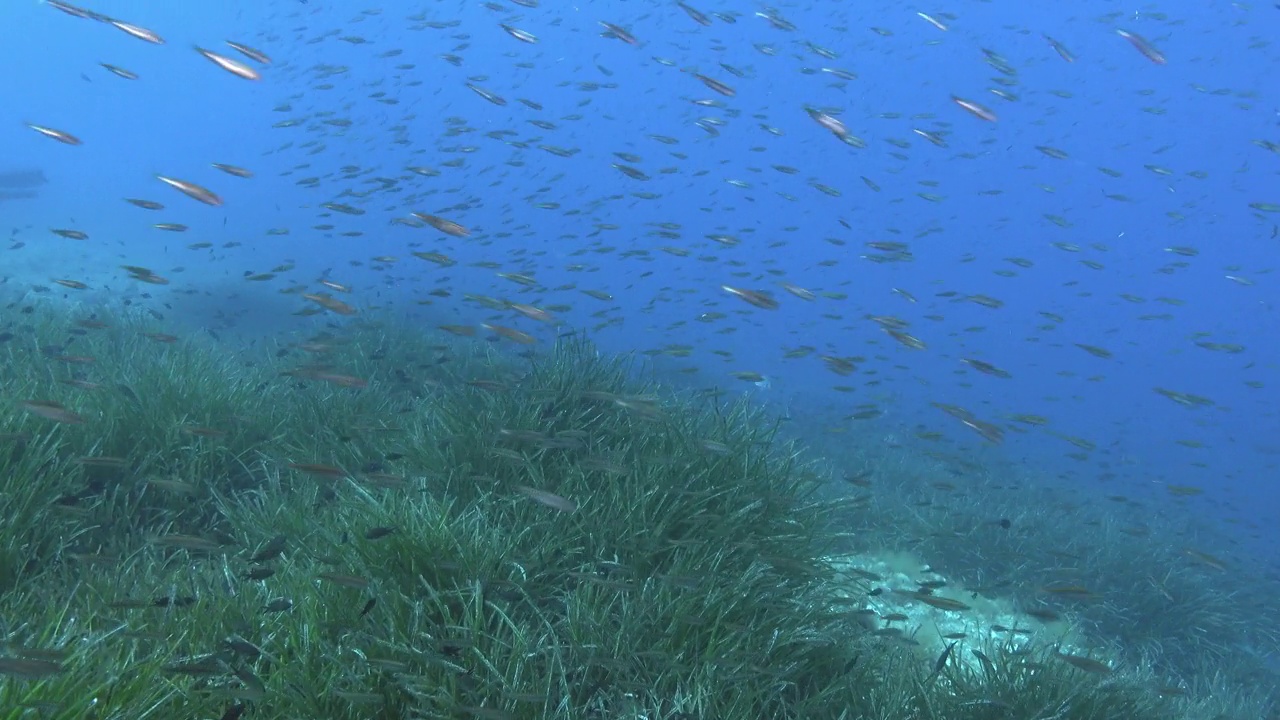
column 595, row 236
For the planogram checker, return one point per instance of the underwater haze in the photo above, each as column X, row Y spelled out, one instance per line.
column 1003, row 271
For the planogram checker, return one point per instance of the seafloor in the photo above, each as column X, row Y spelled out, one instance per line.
column 372, row 522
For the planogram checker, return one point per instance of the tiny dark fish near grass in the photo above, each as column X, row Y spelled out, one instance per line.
column 270, row 550
column 29, row 669
column 942, row 660
column 345, row 580
column 50, row 410
column 551, row 500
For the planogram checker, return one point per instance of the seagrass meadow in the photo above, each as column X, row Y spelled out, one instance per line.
column 373, row 522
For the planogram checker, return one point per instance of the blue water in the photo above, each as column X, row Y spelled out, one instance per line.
column 1199, row 113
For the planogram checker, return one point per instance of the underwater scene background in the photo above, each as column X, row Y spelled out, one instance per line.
column 639, row 359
